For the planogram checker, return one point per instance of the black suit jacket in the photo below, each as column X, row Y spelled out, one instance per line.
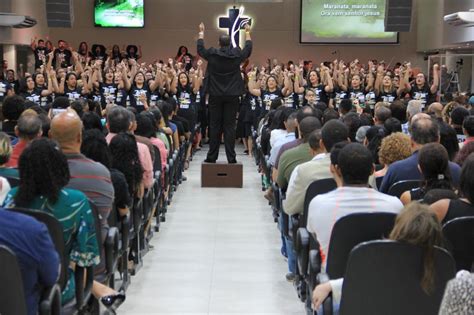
column 223, row 75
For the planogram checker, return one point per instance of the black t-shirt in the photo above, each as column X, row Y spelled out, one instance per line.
column 321, row 95
column 424, row 95
column 339, row 95
column 186, row 98
column 370, row 99
column 251, row 105
column 387, row 97
column 121, row 99
column 122, row 194
column 358, row 94
column 62, row 58
column 40, row 56
column 135, row 93
column 15, row 85
column 33, row 96
column 179, row 126
column 268, row 97
column 72, row 94
column 107, row 91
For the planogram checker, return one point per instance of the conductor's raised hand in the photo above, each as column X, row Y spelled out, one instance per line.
column 247, row 27
column 201, row 27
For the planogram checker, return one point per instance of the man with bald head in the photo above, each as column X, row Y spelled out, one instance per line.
column 88, row 176
column 423, row 130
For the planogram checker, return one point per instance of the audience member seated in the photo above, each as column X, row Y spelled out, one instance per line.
column 382, row 113
column 94, row 146
column 35, row 252
column 354, row 166
column 423, row 131
column 160, row 130
column 373, row 140
column 468, row 130
column 301, row 114
column 290, row 135
column 392, row 125
column 449, row 140
column 394, row 147
column 456, row 121
column 458, row 297
column 415, row 225
column 89, row 177
column 433, row 164
column 119, row 120
column 447, row 209
column 12, row 108
column 157, row 137
column 435, row 110
column 140, row 139
column 92, row 120
column 27, row 129
column 44, row 174
column 318, row 168
column 125, row 158
column 298, row 155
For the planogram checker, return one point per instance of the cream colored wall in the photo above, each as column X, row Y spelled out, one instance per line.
column 171, row 23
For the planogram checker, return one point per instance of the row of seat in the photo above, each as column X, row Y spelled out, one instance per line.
column 363, row 258
column 127, row 239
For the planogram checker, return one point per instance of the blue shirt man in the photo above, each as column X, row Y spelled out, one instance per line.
column 424, row 130
column 35, row 252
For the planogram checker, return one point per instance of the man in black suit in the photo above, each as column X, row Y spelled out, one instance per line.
column 225, row 85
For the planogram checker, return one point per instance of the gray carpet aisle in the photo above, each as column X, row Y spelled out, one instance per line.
column 217, row 253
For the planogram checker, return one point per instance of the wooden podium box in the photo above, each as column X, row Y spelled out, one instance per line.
column 221, row 174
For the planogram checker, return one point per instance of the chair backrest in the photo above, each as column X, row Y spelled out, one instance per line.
column 460, row 234
column 398, row 188
column 98, row 227
column 12, row 297
column 157, row 162
column 317, row 187
column 384, row 277
column 351, row 230
column 55, row 230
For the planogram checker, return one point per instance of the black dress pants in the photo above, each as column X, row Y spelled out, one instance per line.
column 222, row 114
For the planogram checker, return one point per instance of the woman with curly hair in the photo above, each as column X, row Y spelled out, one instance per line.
column 124, row 154
column 44, row 173
column 394, row 147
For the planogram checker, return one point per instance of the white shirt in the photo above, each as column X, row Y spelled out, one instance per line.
column 324, row 210
column 276, row 134
column 290, row 136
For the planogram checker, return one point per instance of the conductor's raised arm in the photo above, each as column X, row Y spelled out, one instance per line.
column 202, row 51
column 247, row 51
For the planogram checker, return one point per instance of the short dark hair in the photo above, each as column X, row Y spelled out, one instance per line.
column 305, row 111
column 314, row 139
column 399, row 110
column 424, row 131
column 356, row 164
column 12, row 107
column 382, row 114
column 145, row 126
column 335, row 151
column 468, row 125
column 224, row 40
column 61, row 102
column 91, row 120
column 118, row 119
column 458, row 114
column 330, row 114
column 353, row 122
column 308, row 125
column 345, row 106
column 392, row 125
column 334, row 131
